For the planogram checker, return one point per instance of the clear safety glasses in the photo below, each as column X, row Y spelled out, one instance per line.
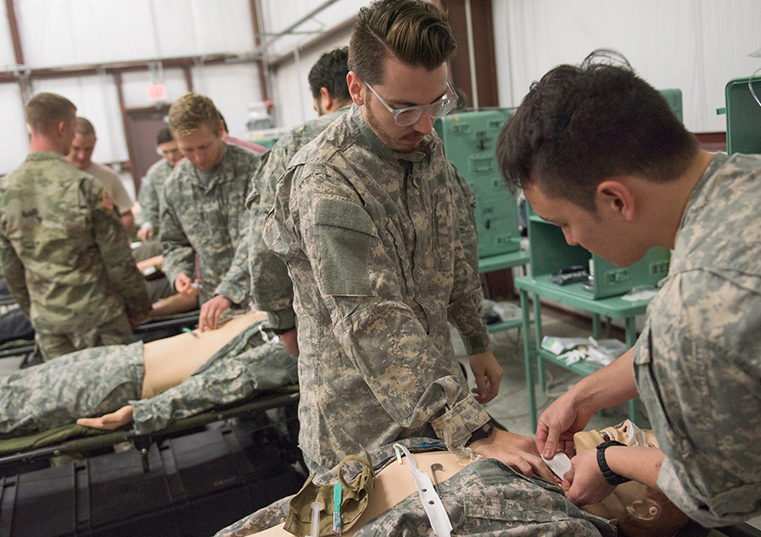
column 404, row 117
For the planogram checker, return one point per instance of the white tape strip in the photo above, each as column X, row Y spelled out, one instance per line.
column 437, row 515
column 559, row 464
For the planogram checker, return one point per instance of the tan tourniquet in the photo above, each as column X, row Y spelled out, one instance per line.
column 392, row 484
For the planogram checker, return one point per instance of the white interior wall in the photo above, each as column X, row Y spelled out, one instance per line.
column 135, row 87
column 96, row 99
column 73, row 32
column 15, row 141
column 694, row 45
column 232, row 87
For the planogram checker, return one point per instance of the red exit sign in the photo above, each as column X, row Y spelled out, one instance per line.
column 157, row 92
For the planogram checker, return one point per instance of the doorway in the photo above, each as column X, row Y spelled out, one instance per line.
column 143, row 125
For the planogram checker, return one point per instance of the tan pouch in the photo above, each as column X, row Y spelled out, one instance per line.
column 640, row 511
column 354, row 500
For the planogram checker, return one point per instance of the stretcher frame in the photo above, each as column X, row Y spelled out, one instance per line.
column 278, row 398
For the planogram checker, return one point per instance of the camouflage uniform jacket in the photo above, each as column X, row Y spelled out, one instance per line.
column 63, row 248
column 212, row 221
column 371, row 242
column 485, row 499
column 96, row 381
column 151, row 195
column 698, row 360
column 271, row 288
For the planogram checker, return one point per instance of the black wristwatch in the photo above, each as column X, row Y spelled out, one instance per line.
column 481, row 433
column 610, row 476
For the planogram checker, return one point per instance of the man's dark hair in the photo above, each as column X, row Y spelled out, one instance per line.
column 164, row 136
column 330, row 72
column 582, row 124
column 414, row 31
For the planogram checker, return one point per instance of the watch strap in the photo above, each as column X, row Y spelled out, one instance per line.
column 610, row 476
column 482, row 432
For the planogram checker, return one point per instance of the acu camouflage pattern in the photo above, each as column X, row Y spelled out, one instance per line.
column 371, row 242
column 271, row 288
column 211, row 221
column 104, row 379
column 245, row 366
column 151, row 196
column 484, row 499
column 64, row 253
column 698, row 361
column 85, row 383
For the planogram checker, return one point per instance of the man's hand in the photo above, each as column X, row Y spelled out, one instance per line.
column 291, row 342
column 109, row 422
column 517, row 451
column 584, row 483
column 184, row 285
column 210, row 312
column 145, row 233
column 488, row 373
column 557, row 425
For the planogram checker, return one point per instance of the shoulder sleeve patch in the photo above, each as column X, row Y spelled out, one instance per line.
column 343, row 214
column 107, row 200
column 345, row 236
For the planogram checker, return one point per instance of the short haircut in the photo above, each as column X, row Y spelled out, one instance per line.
column 414, row 31
column 190, row 111
column 164, row 136
column 330, row 72
column 84, row 127
column 580, row 125
column 45, row 111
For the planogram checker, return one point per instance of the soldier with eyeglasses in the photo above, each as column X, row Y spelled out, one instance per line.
column 366, row 220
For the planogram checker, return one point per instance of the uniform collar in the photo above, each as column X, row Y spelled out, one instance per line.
column 357, row 121
column 45, row 155
column 719, row 159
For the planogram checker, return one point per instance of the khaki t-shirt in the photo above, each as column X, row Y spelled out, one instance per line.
column 113, row 184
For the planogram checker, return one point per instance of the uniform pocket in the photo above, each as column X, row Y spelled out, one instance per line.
column 345, row 233
column 501, row 516
column 443, row 230
column 649, row 390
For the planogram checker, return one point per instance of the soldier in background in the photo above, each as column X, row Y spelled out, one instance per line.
column 63, row 248
column 80, row 155
column 271, row 288
column 205, row 211
column 152, row 188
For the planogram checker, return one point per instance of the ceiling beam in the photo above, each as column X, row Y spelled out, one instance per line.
column 18, row 52
column 115, row 67
column 257, row 27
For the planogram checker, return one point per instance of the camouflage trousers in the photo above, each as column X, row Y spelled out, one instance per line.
column 85, row 383
column 486, row 498
column 115, row 332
